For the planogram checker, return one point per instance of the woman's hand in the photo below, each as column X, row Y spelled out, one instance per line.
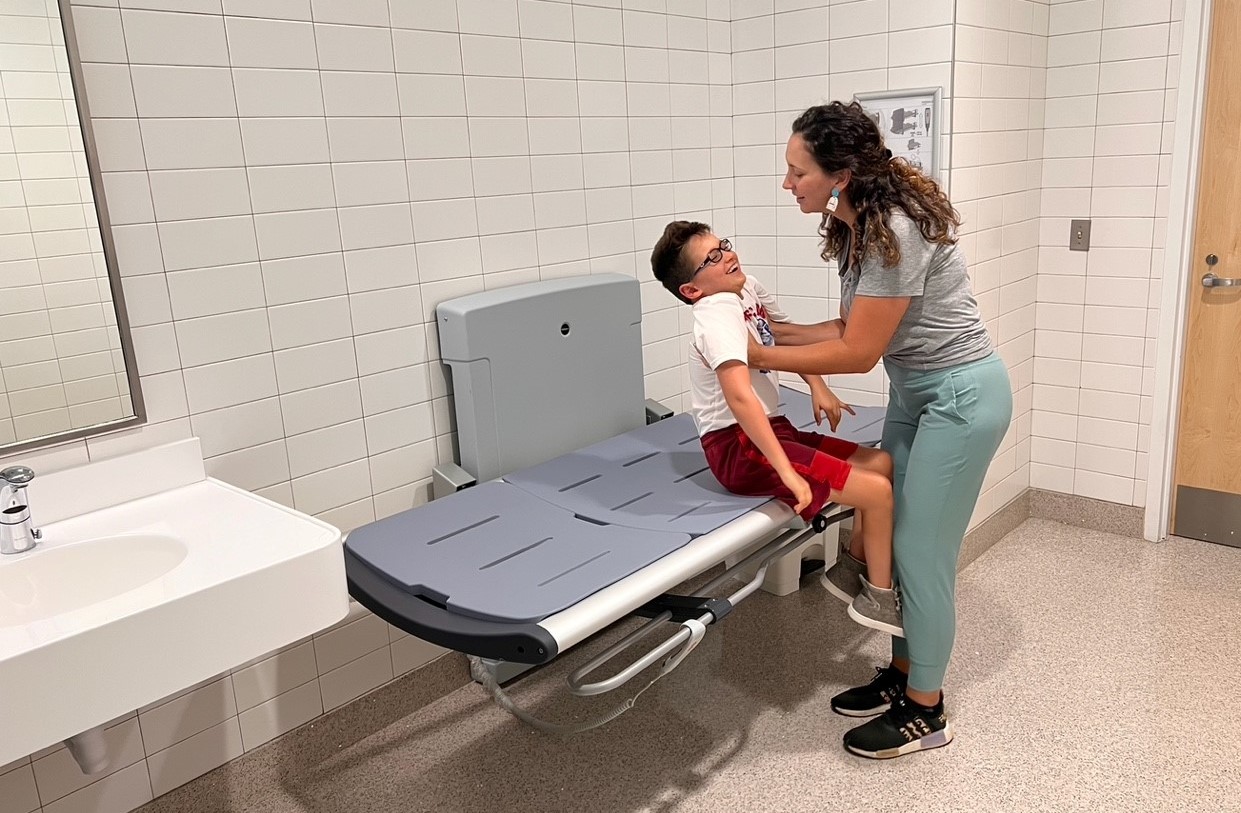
column 824, row 403
column 753, row 352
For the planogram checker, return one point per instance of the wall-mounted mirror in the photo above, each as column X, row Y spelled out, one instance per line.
column 66, row 362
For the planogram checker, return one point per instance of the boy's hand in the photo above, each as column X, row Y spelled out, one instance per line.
column 800, row 488
column 824, row 403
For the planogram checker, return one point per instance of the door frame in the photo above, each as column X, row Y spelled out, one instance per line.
column 1174, row 302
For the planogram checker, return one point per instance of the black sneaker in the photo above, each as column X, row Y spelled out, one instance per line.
column 902, row 729
column 875, row 697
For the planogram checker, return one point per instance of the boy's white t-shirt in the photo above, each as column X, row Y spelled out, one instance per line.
column 722, row 323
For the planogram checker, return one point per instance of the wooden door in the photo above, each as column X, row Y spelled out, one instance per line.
column 1207, row 492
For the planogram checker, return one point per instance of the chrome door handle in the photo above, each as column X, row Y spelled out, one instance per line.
column 1212, row 281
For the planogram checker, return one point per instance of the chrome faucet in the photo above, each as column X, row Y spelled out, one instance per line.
column 16, row 533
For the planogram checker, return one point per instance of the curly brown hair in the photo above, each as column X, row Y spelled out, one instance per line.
column 843, row 136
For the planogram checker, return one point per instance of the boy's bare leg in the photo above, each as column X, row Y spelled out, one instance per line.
column 872, row 492
column 878, row 461
column 857, row 547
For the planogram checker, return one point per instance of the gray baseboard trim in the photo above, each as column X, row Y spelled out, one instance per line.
column 1067, row 509
column 1084, row 512
column 994, row 528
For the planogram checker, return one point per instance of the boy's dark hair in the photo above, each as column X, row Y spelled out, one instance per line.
column 667, row 262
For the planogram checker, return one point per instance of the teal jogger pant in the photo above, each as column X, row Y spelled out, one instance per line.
column 942, row 429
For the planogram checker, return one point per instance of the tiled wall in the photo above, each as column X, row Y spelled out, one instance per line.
column 788, row 55
column 407, row 160
column 997, row 152
column 1111, row 97
column 294, row 185
column 60, row 360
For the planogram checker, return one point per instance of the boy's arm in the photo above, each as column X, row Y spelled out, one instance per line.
column 748, row 410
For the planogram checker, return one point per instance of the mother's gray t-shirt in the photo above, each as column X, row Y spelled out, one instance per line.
column 942, row 327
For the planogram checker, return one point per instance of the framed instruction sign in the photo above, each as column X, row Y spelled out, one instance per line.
column 909, row 121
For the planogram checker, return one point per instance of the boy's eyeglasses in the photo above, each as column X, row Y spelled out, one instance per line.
column 714, row 256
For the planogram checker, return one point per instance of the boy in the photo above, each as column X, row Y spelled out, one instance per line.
column 750, row 447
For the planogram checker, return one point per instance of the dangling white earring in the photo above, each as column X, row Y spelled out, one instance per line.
column 834, row 200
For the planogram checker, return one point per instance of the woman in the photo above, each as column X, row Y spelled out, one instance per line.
column 905, row 297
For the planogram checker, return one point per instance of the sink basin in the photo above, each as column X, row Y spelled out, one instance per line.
column 52, row 581
column 150, row 577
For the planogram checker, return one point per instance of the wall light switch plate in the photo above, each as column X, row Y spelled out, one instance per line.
column 1079, row 235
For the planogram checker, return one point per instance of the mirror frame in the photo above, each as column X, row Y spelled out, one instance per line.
column 78, row 80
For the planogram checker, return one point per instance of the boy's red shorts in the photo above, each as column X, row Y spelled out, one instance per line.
column 742, row 469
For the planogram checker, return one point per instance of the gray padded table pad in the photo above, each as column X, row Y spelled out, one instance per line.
column 656, row 477
column 865, row 428
column 499, row 553
column 520, row 550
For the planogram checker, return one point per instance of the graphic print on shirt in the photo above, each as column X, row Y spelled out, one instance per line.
column 757, row 316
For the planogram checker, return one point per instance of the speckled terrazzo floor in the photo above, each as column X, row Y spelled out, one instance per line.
column 1093, row 673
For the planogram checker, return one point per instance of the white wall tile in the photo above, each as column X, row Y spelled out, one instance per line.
column 261, row 92
column 424, row 14
column 354, row 48
column 230, row 383
column 355, row 678
column 1072, row 17
column 58, row 775
column 18, row 790
column 215, row 291
column 1120, row 13
column 1132, row 74
column 365, row 139
column 291, row 187
column 427, row 52
column 359, row 93
column 300, row 278
column 199, row 193
column 235, row 428
column 270, row 719
column 195, row 756
column 426, row 138
column 1135, row 43
column 187, row 715
column 259, row 43
column 321, row 406
column 292, row 234
column 99, row 34
column 271, row 9
column 270, row 141
column 170, row 38
column 222, row 337
column 121, row 792
column 191, row 143
column 326, row 448
column 597, row 25
column 183, row 92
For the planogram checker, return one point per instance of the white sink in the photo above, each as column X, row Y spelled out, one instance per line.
column 149, row 577
column 73, row 576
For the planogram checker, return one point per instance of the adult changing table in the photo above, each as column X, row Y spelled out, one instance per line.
column 584, row 513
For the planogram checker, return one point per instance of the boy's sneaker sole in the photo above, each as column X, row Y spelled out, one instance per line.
column 834, row 590
column 936, row 739
column 890, row 629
